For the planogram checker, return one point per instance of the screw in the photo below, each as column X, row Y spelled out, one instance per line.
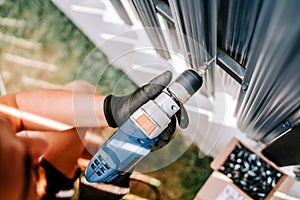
column 249, row 172
column 245, row 86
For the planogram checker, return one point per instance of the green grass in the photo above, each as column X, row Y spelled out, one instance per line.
column 55, row 40
column 181, row 180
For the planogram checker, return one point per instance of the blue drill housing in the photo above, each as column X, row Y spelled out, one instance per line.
column 120, row 153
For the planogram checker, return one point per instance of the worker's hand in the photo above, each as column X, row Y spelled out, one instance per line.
column 166, row 135
column 118, row 109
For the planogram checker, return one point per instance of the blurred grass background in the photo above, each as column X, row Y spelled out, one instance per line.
column 41, row 48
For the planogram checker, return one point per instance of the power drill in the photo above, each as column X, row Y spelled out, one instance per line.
column 136, row 137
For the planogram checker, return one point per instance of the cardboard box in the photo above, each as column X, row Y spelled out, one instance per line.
column 220, row 187
column 221, row 184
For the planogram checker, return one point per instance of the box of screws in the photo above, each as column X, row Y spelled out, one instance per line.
column 250, row 171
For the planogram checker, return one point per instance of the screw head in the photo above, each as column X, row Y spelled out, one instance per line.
column 245, row 86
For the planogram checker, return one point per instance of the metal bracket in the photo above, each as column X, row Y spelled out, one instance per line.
column 233, row 68
column 163, row 9
column 228, row 64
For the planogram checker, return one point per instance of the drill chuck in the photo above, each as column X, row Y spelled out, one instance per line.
column 185, row 85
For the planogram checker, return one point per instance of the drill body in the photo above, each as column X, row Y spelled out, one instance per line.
column 133, row 140
column 136, row 137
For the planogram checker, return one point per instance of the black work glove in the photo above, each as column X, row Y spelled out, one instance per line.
column 118, row 109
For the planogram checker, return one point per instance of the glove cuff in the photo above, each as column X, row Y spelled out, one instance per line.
column 108, row 112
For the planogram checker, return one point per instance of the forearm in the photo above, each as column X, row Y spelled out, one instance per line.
column 60, row 109
column 9, row 108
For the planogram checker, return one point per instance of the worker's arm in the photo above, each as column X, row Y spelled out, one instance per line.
column 47, row 109
column 9, row 108
column 60, row 109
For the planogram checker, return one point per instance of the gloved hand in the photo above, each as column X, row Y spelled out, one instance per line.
column 118, row 109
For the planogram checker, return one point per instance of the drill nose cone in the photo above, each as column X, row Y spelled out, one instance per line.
column 190, row 80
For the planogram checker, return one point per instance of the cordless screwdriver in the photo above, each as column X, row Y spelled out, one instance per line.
column 133, row 140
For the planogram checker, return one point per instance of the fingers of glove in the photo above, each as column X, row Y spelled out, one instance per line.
column 167, row 134
column 118, row 109
column 163, row 79
column 156, row 85
column 182, row 117
column 149, row 91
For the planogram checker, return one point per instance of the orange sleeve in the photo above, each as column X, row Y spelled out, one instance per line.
column 9, row 108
